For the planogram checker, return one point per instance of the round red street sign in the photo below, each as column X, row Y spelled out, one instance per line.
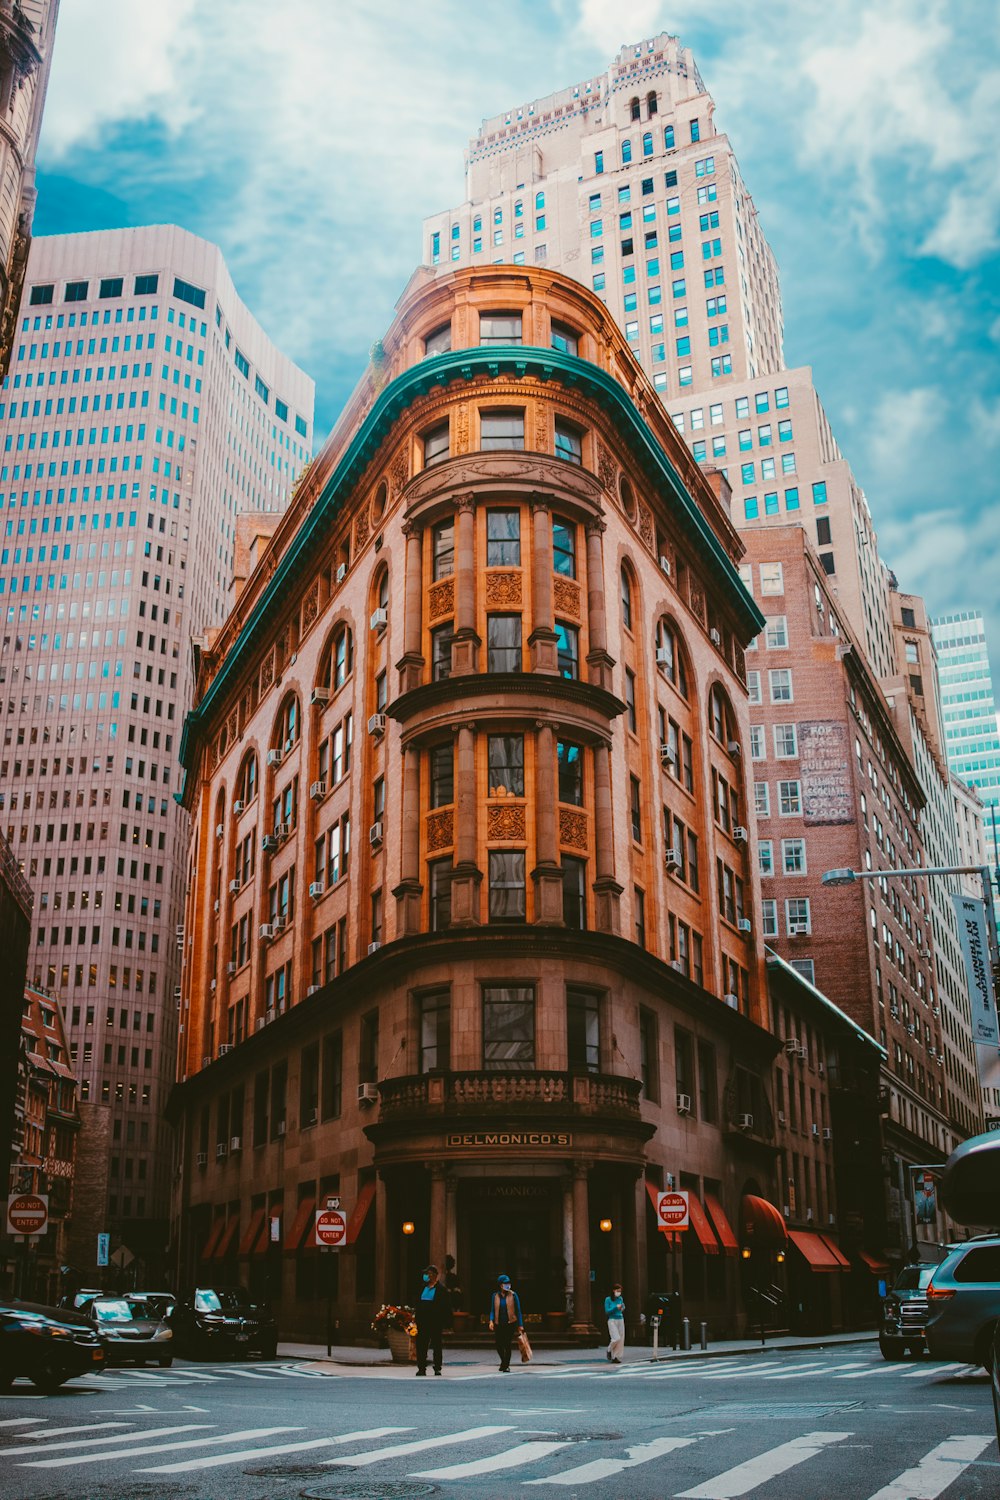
column 673, row 1209
column 331, row 1227
column 27, row 1214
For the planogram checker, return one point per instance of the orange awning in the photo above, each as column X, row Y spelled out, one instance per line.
column 701, row 1226
column 875, row 1262
column 224, row 1245
column 356, row 1222
column 305, row 1217
column 842, row 1262
column 721, row 1225
column 252, row 1231
column 214, row 1236
column 815, row 1251
column 264, row 1241
column 761, row 1225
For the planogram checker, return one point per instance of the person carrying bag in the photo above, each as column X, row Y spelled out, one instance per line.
column 505, row 1320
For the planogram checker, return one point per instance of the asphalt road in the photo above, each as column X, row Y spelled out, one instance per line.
column 790, row 1425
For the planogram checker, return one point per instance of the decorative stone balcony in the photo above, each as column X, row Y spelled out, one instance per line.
column 510, row 1096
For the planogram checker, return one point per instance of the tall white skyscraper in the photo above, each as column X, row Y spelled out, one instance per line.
column 144, row 409
column 968, row 704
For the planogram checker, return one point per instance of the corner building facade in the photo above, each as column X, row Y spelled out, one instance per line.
column 470, row 918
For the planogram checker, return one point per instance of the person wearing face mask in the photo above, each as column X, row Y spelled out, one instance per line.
column 432, row 1311
column 506, row 1322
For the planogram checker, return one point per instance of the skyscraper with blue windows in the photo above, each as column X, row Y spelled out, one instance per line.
column 968, row 704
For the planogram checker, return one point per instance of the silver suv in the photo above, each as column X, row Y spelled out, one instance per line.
column 964, row 1302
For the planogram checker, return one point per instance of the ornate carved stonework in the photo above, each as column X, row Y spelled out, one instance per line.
column 285, row 646
column 646, row 526
column 566, row 596
column 233, row 725
column 697, row 601
column 266, row 672
column 572, row 828
column 607, row 469
column 503, row 589
column 361, row 528
column 440, row 829
column 505, row 823
column 543, row 438
column 460, row 429
column 400, row 471
column 310, row 606
column 441, row 598
column 497, row 471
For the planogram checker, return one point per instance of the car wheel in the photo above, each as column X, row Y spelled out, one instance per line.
column 891, row 1348
column 48, row 1378
column 985, row 1346
column 166, row 1360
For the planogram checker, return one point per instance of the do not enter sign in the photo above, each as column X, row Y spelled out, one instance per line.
column 27, row 1213
column 331, row 1228
column 672, row 1210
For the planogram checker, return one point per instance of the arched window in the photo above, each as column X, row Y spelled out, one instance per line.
column 626, row 584
column 338, row 659
column 633, row 109
column 670, row 656
column 246, row 782
column 651, row 106
column 647, row 143
column 286, row 730
column 380, row 596
column 379, row 503
column 720, row 717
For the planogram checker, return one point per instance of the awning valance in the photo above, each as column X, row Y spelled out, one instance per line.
column 701, row 1226
column 249, row 1239
column 721, row 1225
column 305, row 1217
column 835, row 1250
column 874, row 1262
column 264, row 1241
column 225, row 1244
column 761, row 1225
column 814, row 1251
column 356, row 1222
column 214, row 1236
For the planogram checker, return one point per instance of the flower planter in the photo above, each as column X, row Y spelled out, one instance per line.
column 402, row 1347
column 557, row 1322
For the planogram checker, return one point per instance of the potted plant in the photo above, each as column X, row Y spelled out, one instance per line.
column 395, row 1323
column 557, row 1322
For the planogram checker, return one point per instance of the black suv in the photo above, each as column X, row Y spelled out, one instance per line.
column 46, row 1344
column 223, row 1323
column 904, row 1313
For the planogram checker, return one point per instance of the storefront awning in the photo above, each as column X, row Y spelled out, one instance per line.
column 761, row 1225
column 214, row 1236
column 264, row 1241
column 701, row 1227
column 721, row 1225
column 305, row 1217
column 842, row 1262
column 249, row 1239
column 225, row 1243
column 356, row 1222
column 873, row 1262
column 815, row 1251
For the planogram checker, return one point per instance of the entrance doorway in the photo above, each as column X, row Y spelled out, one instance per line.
column 514, row 1227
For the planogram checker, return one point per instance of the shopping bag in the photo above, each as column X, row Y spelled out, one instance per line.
column 525, row 1348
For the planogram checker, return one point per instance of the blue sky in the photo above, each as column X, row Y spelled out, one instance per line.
column 311, row 152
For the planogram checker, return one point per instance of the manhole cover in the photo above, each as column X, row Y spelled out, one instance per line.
column 588, row 1437
column 358, row 1490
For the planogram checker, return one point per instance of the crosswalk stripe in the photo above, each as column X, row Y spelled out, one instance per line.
column 176, row 1373
column 936, row 1471
column 255, row 1374
column 117, row 1437
column 22, row 1421
column 871, row 1370
column 216, row 1460
column 606, row 1468
column 400, row 1450
column 51, row 1432
column 747, row 1476
column 932, row 1369
column 140, row 1452
column 510, row 1458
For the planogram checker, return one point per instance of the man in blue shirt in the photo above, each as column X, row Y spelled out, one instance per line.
column 505, row 1320
column 433, row 1306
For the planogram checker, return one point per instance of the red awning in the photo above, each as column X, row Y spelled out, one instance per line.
column 701, row 1226
column 225, row 1243
column 305, row 1218
column 356, row 1222
column 843, row 1263
column 249, row 1239
column 761, row 1225
column 263, row 1244
column 214, row 1236
column 721, row 1225
column 815, row 1251
column 874, row 1262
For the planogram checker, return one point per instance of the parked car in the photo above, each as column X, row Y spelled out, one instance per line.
column 129, row 1332
column 904, row 1313
column 156, row 1304
column 78, row 1301
column 49, row 1345
column 223, row 1322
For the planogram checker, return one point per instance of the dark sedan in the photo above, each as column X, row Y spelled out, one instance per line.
column 129, row 1332
column 46, row 1344
column 224, row 1323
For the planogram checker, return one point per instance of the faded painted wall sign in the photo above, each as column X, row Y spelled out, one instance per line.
column 824, row 754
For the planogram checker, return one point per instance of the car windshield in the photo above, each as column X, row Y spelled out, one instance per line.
column 228, row 1299
column 914, row 1278
column 117, row 1311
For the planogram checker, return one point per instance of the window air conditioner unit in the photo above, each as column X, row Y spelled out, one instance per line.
column 205, row 1061
column 265, row 932
column 781, row 1117
column 745, row 925
column 740, row 834
column 745, row 1122
column 675, row 963
column 683, row 1104
column 219, row 830
column 673, row 861
column 282, row 830
column 230, row 968
column 273, row 758
column 236, row 1143
column 317, row 790
column 221, row 1151
column 213, row 985
column 316, row 889
column 223, row 1049
column 379, row 619
column 798, row 929
column 281, row 1127
column 665, row 566
column 815, row 1132
column 177, row 992
column 715, row 637
column 809, row 1215
column 367, row 1093
column 734, row 747
column 239, row 806
column 202, row 1158
column 666, row 756
column 179, row 933
column 376, row 726
column 791, row 1045
column 261, row 1022
column 269, row 843
column 319, row 695
column 375, row 835
column 733, row 1001
column 314, row 989
column 341, row 572
column 821, row 1070
column 215, row 906
column 827, row 1133
column 235, row 886
column 664, row 656
column 279, row 924
column 374, row 947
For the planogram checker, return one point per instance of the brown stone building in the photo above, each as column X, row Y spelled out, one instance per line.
column 472, row 938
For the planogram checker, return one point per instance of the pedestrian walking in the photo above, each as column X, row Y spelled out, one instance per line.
column 432, row 1312
column 614, row 1311
column 506, row 1322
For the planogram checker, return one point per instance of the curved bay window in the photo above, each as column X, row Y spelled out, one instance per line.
column 441, row 638
column 570, row 759
column 509, row 1028
column 501, row 429
column 443, row 550
column 563, row 547
column 503, row 538
column 441, row 760
column 574, row 872
column 503, row 643
column 439, row 881
column 505, row 765
column 507, row 885
column 567, row 649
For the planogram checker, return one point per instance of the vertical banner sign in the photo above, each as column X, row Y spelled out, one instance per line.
column 925, row 1198
column 103, row 1248
column 976, row 952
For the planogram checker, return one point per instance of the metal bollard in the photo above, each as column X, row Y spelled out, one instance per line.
column 685, row 1333
column 704, row 1335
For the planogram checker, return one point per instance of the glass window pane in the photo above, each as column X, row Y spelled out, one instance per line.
column 503, row 538
column 501, row 429
column 570, row 773
column 563, row 547
column 503, row 643
column 505, row 762
column 509, row 1028
column 507, row 885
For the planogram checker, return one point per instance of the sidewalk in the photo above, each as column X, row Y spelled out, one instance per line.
column 344, row 1358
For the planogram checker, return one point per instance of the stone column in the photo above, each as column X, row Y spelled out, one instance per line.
column 582, row 1295
column 466, row 642
column 547, row 874
column 543, row 640
column 466, row 875
column 384, row 1267
column 606, row 888
column 599, row 662
column 567, row 1200
column 411, row 664
column 409, row 891
column 439, row 1217
column 451, row 1216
